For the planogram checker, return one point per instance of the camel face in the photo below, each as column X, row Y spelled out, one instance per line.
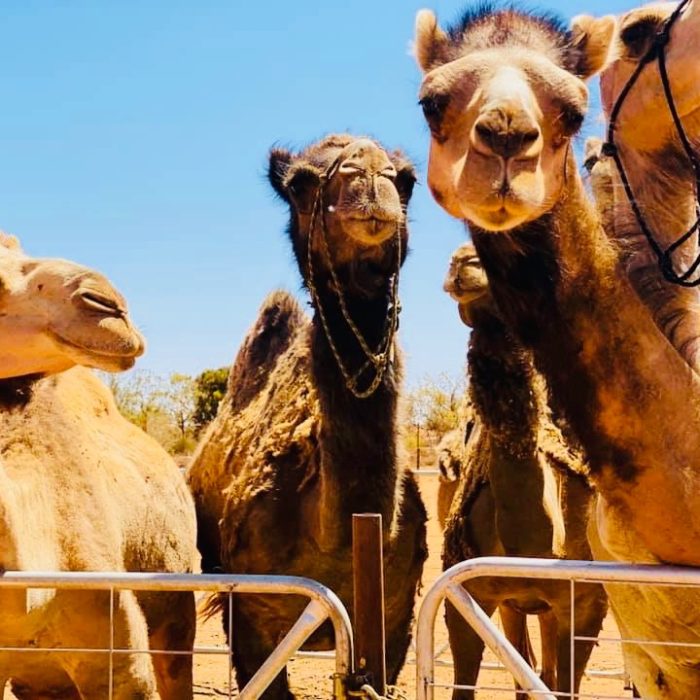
column 362, row 188
column 503, row 94
column 466, row 281
column 55, row 314
column 654, row 131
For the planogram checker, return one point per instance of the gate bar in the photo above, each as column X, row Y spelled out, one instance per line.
column 552, row 569
column 324, row 598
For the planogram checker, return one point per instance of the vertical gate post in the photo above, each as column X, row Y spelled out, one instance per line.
column 368, row 598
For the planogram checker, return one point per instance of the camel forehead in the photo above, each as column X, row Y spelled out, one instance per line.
column 485, row 28
column 324, row 152
column 509, row 63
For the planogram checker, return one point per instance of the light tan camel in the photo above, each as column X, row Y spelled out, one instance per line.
column 294, row 452
column 83, row 489
column 503, row 95
column 521, row 493
column 450, row 460
column 55, row 314
column 660, row 175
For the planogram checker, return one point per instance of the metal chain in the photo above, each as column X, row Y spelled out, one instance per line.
column 379, row 359
column 393, row 692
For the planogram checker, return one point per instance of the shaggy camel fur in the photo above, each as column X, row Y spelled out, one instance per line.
column 521, row 493
column 83, row 489
column 293, row 453
column 629, row 396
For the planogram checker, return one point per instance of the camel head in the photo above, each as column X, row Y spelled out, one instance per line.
column 645, row 122
column 55, row 314
column 466, row 282
column 352, row 194
column 503, row 94
column 601, row 169
column 658, row 169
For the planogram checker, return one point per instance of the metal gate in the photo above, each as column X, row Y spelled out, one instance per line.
column 449, row 587
column 323, row 605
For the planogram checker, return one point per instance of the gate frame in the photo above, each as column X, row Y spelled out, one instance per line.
column 323, row 605
column 449, row 587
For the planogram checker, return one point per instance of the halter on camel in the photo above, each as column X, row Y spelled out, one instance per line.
column 381, row 358
column 657, row 51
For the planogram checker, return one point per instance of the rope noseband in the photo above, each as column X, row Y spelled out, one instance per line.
column 378, row 359
column 657, row 51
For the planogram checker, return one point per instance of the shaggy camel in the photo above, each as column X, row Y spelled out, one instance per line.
column 294, row 451
column 515, row 455
column 507, row 168
column 83, row 489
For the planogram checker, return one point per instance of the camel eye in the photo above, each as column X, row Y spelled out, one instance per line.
column 571, row 120
column 639, row 36
column 433, row 108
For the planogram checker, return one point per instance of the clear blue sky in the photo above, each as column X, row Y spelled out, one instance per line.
column 133, row 138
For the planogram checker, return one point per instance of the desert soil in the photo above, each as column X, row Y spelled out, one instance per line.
column 310, row 678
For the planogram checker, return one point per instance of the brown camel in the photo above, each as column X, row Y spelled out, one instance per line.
column 294, row 451
column 507, row 168
column 521, row 492
column 83, row 489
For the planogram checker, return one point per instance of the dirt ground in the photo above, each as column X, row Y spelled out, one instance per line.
column 310, row 678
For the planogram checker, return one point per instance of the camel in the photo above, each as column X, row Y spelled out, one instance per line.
column 450, row 461
column 45, row 309
column 308, row 432
column 83, row 489
column 506, row 167
column 522, row 492
column 660, row 175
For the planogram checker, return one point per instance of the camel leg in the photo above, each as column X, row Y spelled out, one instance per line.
column 548, row 633
column 590, row 610
column 174, row 630
column 467, row 649
column 88, row 626
column 515, row 629
column 249, row 650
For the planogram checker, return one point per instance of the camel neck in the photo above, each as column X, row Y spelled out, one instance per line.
column 624, row 389
column 668, row 202
column 358, row 436
column 502, row 388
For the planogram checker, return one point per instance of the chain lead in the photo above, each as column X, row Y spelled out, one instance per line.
column 378, row 359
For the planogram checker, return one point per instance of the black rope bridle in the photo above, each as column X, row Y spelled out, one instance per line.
column 657, row 51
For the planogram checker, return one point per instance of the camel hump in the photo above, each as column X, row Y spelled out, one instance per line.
column 279, row 320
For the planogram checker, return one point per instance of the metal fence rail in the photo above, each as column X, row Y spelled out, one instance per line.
column 323, row 605
column 449, row 587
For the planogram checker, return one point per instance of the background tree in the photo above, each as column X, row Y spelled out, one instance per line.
column 209, row 389
column 432, row 409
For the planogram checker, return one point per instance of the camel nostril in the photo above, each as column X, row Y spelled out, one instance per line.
column 96, row 301
column 505, row 137
column 350, row 167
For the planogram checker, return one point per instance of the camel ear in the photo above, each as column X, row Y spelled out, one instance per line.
column 405, row 175
column 280, row 160
column 9, row 242
column 593, row 40
column 431, row 44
